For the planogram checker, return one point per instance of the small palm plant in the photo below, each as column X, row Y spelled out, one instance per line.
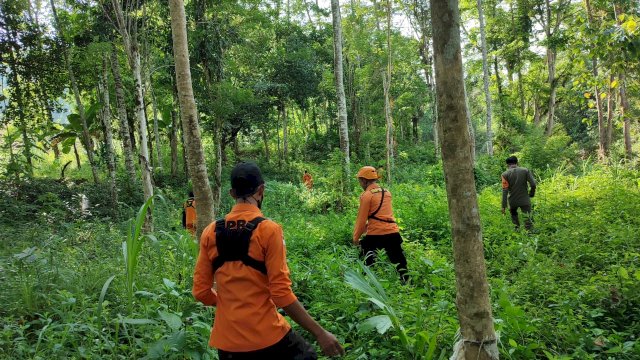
column 132, row 246
column 371, row 287
column 420, row 346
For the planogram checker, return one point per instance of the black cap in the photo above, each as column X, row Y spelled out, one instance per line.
column 512, row 160
column 246, row 178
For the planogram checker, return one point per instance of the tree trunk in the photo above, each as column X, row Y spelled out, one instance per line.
column 173, row 140
column 478, row 339
column 611, row 106
column 129, row 38
column 147, row 182
column 156, row 132
column 339, row 82
column 496, row 71
column 86, row 138
column 108, row 135
column 386, row 85
column 626, row 117
column 122, row 115
column 217, row 174
column 189, row 115
column 265, row 139
column 131, row 121
column 551, row 67
column 472, row 132
column 285, row 138
column 279, row 115
column 551, row 64
column 521, row 91
column 603, row 147
column 75, row 152
column 485, row 78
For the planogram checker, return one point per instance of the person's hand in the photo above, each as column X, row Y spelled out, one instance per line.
column 356, row 242
column 329, row 344
column 503, row 211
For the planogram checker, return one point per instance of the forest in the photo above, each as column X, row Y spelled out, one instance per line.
column 113, row 111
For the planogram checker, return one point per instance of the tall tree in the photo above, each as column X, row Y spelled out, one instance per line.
column 122, row 114
column 86, row 138
column 339, row 82
column 603, row 146
column 420, row 19
column 386, row 84
column 552, row 19
column 624, row 101
column 127, row 26
column 189, row 115
column 103, row 85
column 173, row 135
column 474, row 309
column 485, row 79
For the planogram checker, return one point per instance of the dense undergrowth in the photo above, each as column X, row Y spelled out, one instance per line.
column 568, row 290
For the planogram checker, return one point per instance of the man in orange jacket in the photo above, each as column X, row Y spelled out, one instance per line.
column 244, row 255
column 189, row 217
column 375, row 218
column 307, row 180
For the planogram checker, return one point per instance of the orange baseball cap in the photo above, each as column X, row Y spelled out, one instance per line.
column 368, row 172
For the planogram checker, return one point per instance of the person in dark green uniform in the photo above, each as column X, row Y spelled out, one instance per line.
column 514, row 186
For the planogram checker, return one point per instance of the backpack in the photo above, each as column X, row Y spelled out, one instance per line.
column 233, row 244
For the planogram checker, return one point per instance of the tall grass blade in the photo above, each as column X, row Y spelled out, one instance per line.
column 103, row 293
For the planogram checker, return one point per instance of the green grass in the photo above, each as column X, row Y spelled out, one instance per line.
column 568, row 290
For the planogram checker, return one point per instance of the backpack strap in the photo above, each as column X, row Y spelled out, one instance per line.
column 373, row 214
column 233, row 245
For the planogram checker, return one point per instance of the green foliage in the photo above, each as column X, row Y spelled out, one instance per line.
column 567, row 290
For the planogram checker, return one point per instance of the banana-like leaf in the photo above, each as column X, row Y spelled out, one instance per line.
column 381, row 323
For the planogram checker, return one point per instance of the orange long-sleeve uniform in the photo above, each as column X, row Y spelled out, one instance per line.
column 307, row 180
column 369, row 202
column 190, row 215
column 246, row 317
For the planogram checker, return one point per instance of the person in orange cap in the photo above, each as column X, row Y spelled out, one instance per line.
column 375, row 219
column 307, row 180
column 244, row 254
column 189, row 216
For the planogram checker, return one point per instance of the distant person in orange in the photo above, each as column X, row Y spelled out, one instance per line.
column 244, row 254
column 189, row 216
column 307, row 180
column 375, row 219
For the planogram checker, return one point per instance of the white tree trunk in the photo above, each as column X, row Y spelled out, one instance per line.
column 478, row 338
column 339, row 82
column 147, row 182
column 130, row 41
column 189, row 115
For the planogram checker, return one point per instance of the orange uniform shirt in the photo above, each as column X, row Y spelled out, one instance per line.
column 369, row 202
column 307, row 180
column 246, row 316
column 190, row 211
